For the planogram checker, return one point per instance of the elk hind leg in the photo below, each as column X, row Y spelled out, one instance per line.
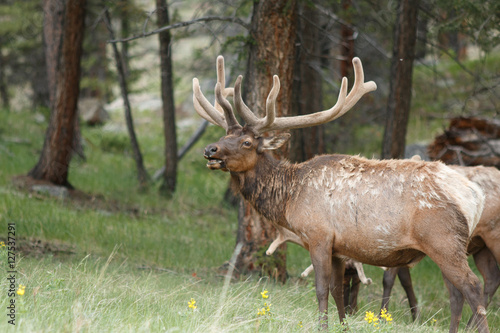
column 488, row 267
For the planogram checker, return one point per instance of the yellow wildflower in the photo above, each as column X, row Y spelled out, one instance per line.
column 370, row 317
column 191, row 304
column 300, row 324
column 385, row 315
column 2, row 244
column 261, row 312
column 264, row 294
column 21, row 289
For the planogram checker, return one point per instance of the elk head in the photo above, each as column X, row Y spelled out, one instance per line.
column 239, row 150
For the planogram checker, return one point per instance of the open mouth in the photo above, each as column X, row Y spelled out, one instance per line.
column 215, row 163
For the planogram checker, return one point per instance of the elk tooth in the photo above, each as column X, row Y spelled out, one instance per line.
column 214, row 161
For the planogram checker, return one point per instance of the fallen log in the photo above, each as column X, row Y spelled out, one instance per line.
column 468, row 141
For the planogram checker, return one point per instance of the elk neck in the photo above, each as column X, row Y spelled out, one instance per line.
column 267, row 186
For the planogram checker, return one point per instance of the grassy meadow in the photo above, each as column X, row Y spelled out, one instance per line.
column 124, row 260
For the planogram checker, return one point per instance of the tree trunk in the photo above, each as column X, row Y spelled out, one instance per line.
column 63, row 31
column 167, row 188
column 272, row 51
column 347, row 41
column 422, row 31
column 124, row 10
column 142, row 175
column 399, row 100
column 39, row 80
column 307, row 87
column 4, row 92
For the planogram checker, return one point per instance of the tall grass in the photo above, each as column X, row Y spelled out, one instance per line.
column 99, row 294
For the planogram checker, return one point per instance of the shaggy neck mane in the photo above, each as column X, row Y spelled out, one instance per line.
column 266, row 187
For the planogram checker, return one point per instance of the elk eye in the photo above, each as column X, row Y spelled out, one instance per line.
column 247, row 143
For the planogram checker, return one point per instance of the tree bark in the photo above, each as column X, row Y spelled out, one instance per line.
column 307, row 87
column 142, row 175
column 124, row 9
column 272, row 51
column 347, row 42
column 399, row 100
column 4, row 91
column 167, row 95
column 63, row 31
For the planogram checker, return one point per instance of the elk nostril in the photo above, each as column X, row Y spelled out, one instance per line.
column 210, row 150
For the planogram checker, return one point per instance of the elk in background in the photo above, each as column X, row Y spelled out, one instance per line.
column 484, row 245
column 383, row 213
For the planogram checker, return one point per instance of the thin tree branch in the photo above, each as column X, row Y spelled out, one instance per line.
column 187, row 146
column 142, row 174
column 184, row 24
column 373, row 43
column 486, row 142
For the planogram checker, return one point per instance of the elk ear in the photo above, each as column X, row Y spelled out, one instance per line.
column 274, row 142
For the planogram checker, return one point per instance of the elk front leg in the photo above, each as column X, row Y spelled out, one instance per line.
column 456, row 305
column 336, row 285
column 405, row 279
column 388, row 283
column 321, row 257
column 461, row 282
column 352, row 302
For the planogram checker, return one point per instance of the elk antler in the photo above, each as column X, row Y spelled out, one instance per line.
column 271, row 123
column 216, row 114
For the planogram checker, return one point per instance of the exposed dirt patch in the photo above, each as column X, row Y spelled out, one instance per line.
column 33, row 247
column 77, row 198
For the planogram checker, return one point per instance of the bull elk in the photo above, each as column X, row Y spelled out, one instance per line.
column 379, row 212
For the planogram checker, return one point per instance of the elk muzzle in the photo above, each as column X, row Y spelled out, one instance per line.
column 214, row 162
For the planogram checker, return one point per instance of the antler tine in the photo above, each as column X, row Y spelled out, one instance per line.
column 344, row 103
column 203, row 107
column 359, row 88
column 212, row 113
column 271, row 102
column 250, row 118
column 309, row 120
column 232, row 123
column 243, row 110
column 221, row 78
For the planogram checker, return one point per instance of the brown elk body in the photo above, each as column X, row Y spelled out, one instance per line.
column 484, row 245
column 384, row 213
